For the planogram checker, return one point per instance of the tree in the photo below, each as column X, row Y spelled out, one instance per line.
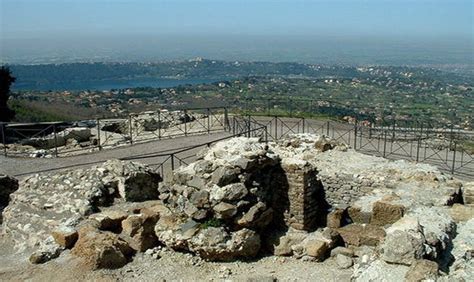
column 6, row 80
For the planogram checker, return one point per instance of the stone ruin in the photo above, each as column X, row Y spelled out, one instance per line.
column 306, row 196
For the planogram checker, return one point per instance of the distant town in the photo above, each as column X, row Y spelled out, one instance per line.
column 366, row 92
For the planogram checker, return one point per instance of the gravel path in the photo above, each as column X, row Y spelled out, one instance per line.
column 22, row 166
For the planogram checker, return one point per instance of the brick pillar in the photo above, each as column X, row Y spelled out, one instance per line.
column 304, row 194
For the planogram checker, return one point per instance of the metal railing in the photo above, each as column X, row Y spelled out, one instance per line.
column 445, row 149
column 451, row 150
column 166, row 162
column 53, row 138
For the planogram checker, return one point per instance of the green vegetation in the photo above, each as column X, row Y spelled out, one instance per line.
column 34, row 111
column 374, row 94
column 213, row 222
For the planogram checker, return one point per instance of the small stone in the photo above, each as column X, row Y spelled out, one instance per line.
column 342, row 251
column 344, row 261
column 224, row 210
column 65, row 237
column 334, row 218
column 317, row 249
column 422, row 270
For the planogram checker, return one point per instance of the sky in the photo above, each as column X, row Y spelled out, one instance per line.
column 33, row 18
column 95, row 20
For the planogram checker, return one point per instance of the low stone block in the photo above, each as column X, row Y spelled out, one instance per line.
column 384, row 213
column 361, row 234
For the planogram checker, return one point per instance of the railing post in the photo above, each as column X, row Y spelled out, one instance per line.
column 327, row 128
column 4, row 141
column 266, row 134
column 454, row 159
column 209, row 121
column 233, row 126
column 55, row 141
column 172, row 161
column 276, row 128
column 355, row 135
column 98, row 135
column 185, row 123
column 393, row 129
column 131, row 128
column 418, row 145
column 248, row 126
column 159, row 125
column 290, row 102
column 303, row 123
column 384, row 143
column 226, row 120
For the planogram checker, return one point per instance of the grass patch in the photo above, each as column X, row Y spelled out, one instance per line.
column 213, row 222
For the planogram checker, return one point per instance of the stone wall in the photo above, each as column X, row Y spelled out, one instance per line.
column 343, row 189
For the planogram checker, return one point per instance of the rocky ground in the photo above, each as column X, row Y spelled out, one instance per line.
column 305, row 208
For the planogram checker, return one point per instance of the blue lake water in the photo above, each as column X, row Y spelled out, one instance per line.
column 113, row 84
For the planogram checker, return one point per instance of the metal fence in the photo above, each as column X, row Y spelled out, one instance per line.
column 378, row 115
column 165, row 162
column 451, row 150
column 55, row 139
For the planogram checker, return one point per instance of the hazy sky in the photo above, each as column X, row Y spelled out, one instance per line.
column 347, row 31
column 412, row 18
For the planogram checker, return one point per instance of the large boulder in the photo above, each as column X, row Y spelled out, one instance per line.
column 405, row 242
column 139, row 230
column 101, row 249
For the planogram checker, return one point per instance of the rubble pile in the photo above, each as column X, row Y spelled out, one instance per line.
column 306, row 196
column 46, row 202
